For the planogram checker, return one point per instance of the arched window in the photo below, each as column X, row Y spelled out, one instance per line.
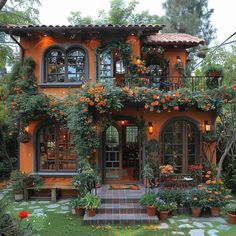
column 54, row 150
column 55, row 66
column 63, row 67
column 180, row 147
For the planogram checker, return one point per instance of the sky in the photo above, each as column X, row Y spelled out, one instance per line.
column 55, row 12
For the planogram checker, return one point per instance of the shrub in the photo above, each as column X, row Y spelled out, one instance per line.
column 148, row 199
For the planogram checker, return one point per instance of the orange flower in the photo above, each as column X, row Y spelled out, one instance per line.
column 213, row 182
column 210, row 199
column 99, row 84
column 154, row 96
column 145, row 90
column 216, row 193
column 208, row 172
column 163, row 100
column 82, row 99
column 91, row 103
column 177, row 94
column 85, row 110
column 131, row 93
column 126, row 89
column 199, row 186
column 146, row 106
column 62, row 113
column 208, row 181
column 167, row 97
column 90, row 90
column 136, row 88
column 97, row 99
column 221, row 182
column 87, row 100
column 207, row 176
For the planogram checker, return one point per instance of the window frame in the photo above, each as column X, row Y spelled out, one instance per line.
column 66, row 51
column 38, row 155
column 184, row 144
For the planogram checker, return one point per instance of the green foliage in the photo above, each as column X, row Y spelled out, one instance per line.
column 229, row 174
column 76, row 18
column 210, row 136
column 164, row 206
column 90, row 201
column 198, row 198
column 179, row 196
column 148, row 199
column 231, row 207
column 148, row 171
column 76, row 203
column 191, row 17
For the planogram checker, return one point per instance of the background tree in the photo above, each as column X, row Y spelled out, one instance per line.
column 189, row 16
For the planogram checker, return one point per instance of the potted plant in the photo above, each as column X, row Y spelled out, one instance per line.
column 77, row 205
column 90, row 203
column 214, row 72
column 230, row 208
column 148, row 200
column 164, row 208
column 197, row 201
column 18, row 184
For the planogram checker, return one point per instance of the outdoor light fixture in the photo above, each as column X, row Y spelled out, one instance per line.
column 26, row 129
column 150, row 128
column 207, row 127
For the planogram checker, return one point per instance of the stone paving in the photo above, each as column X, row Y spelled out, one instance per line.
column 212, row 226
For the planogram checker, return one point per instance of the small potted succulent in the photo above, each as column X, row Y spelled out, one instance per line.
column 230, row 208
column 148, row 200
column 77, row 205
column 90, row 203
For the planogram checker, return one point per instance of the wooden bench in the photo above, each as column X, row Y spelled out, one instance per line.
column 53, row 190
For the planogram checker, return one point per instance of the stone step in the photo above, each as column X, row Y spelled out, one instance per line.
column 119, row 199
column 120, row 219
column 122, row 208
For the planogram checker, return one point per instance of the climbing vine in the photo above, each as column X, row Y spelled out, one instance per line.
column 84, row 109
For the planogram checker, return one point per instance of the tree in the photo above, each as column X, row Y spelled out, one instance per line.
column 227, row 138
column 119, row 13
column 189, row 16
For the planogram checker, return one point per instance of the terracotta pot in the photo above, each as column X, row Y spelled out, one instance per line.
column 163, row 215
column 151, row 210
column 215, row 211
column 91, row 212
column 79, row 211
column 196, row 211
column 231, row 218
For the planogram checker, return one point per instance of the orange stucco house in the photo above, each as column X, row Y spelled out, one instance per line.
column 66, row 57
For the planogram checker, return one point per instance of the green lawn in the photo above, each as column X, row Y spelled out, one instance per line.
column 57, row 224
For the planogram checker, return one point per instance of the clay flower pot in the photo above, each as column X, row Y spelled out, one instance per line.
column 196, row 211
column 231, row 218
column 215, row 211
column 91, row 212
column 151, row 210
column 163, row 215
column 79, row 211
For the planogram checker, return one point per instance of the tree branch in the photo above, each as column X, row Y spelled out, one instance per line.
column 2, row 4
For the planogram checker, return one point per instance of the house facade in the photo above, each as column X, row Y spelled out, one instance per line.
column 67, row 57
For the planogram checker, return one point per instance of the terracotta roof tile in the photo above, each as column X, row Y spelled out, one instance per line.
column 171, row 38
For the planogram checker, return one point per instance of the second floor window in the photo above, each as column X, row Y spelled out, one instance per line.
column 66, row 66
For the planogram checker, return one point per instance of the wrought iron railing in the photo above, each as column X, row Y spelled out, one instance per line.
column 194, row 83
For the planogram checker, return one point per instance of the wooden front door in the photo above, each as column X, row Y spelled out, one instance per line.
column 122, row 153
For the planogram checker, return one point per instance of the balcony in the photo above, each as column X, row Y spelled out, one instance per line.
column 194, row 83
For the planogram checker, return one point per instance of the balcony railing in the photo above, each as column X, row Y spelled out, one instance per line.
column 194, row 83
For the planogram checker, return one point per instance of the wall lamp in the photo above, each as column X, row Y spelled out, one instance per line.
column 207, row 127
column 150, row 128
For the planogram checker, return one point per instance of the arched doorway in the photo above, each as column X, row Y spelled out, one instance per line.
column 122, row 152
column 180, row 144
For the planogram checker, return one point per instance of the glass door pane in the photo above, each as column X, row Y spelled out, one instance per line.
column 112, row 161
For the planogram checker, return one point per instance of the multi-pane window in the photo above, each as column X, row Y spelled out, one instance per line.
column 66, row 66
column 105, row 65
column 179, row 145
column 55, row 149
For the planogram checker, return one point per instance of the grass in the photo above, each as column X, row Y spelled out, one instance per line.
column 56, row 224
